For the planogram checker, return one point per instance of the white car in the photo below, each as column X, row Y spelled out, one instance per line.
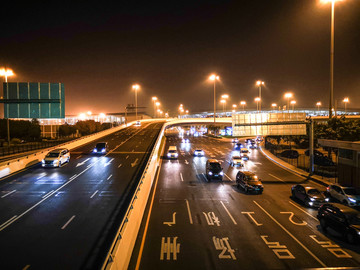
column 237, row 161
column 346, row 195
column 199, row 153
column 186, row 140
column 56, row 158
column 244, row 153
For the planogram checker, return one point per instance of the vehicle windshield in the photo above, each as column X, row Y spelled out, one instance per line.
column 215, row 166
column 172, row 151
column 314, row 192
column 252, row 179
column 236, row 157
column 198, row 150
column 52, row 155
column 351, row 191
column 100, row 145
column 354, row 219
column 245, row 151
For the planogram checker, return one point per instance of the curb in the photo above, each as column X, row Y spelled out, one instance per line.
column 298, row 172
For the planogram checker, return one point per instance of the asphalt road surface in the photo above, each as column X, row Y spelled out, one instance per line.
column 65, row 218
column 191, row 223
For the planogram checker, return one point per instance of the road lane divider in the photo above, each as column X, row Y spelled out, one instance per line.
column 67, row 223
column 11, row 192
column 189, row 211
column 227, row 211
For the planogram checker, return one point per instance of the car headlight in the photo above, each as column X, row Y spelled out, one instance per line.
column 176, row 154
column 55, row 161
column 103, row 150
column 221, row 173
column 169, row 155
column 95, row 150
column 352, row 200
column 210, row 173
column 311, row 203
column 327, row 199
column 43, row 161
column 312, row 199
column 358, row 233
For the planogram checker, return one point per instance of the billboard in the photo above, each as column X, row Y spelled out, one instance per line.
column 269, row 124
column 34, row 100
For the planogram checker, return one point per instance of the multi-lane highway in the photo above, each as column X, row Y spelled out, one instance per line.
column 65, row 218
column 191, row 223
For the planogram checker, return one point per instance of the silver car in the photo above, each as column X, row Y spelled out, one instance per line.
column 56, row 158
column 346, row 195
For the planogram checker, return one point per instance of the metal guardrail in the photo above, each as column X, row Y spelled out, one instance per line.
column 119, row 235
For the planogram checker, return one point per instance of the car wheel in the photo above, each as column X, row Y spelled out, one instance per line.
column 323, row 224
column 246, row 190
column 293, row 194
column 350, row 238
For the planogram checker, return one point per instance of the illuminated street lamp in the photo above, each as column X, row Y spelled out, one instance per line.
column 234, row 107
column 257, row 100
column 346, row 101
column 136, row 87
column 274, row 105
column 331, row 54
column 223, row 102
column 6, row 73
column 318, row 104
column 157, row 104
column 214, row 78
column 259, row 84
column 243, row 103
column 154, row 99
column 288, row 96
column 293, row 102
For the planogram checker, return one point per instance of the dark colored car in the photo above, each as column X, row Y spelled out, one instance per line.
column 320, row 159
column 316, row 153
column 342, row 219
column 249, row 181
column 214, row 170
column 238, row 146
column 101, row 148
column 310, row 196
column 289, row 154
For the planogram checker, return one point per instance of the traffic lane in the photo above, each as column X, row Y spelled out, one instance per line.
column 77, row 191
column 210, row 196
column 18, row 192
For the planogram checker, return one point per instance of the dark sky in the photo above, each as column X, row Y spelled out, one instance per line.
column 98, row 50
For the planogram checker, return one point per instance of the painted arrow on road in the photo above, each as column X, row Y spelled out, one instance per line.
column 82, row 163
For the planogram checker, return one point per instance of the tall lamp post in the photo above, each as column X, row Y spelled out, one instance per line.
column 331, row 55
column 257, row 100
column 288, row 96
column 6, row 73
column 154, row 99
column 136, row 87
column 293, row 102
column 157, row 104
column 223, row 102
column 243, row 103
column 274, row 105
column 318, row 104
column 214, row 78
column 346, row 101
column 259, row 84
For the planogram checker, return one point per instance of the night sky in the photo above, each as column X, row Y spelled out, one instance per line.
column 98, row 50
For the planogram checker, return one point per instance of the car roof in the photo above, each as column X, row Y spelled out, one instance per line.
column 345, row 209
column 310, row 187
column 58, row 150
column 248, row 173
column 213, row 160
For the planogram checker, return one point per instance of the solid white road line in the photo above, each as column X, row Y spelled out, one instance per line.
column 228, row 177
column 109, row 176
column 26, row 267
column 120, row 165
column 227, row 211
column 6, row 222
column 67, row 223
column 181, row 176
column 291, row 235
column 48, row 194
column 8, row 193
column 189, row 212
column 303, row 210
column 94, row 194
column 276, row 177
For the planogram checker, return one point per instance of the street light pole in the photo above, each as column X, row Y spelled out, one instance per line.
column 136, row 87
column 259, row 83
column 214, row 77
column 7, row 72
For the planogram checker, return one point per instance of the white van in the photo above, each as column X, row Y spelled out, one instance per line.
column 172, row 152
